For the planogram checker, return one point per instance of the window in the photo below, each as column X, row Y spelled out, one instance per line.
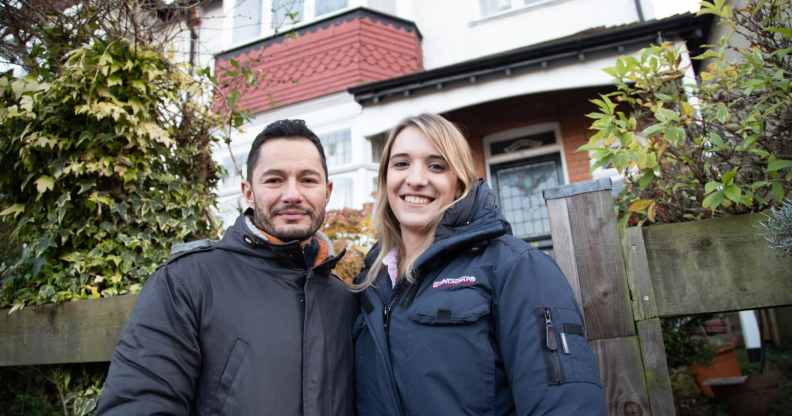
column 342, row 192
column 493, row 7
column 338, row 148
column 522, row 163
column 247, row 21
column 519, row 186
column 377, row 146
column 329, row 6
column 288, row 12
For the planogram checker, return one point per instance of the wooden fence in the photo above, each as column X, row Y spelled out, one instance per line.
column 625, row 285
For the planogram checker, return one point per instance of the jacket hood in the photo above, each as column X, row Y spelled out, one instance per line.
column 471, row 221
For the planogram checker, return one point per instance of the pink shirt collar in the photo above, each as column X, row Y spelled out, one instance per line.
column 391, row 262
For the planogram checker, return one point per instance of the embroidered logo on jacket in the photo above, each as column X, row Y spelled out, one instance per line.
column 448, row 283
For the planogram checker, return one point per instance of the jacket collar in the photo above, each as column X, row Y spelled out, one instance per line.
column 244, row 237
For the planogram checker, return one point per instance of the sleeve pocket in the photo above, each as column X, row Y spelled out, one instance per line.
column 455, row 307
column 578, row 362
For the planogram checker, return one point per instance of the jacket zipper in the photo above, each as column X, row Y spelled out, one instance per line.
column 388, row 308
column 551, row 342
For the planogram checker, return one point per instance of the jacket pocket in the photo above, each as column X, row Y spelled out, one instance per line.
column 568, row 357
column 454, row 307
column 227, row 402
column 449, row 359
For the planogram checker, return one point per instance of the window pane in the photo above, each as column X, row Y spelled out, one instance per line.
column 520, row 189
column 338, row 148
column 490, row 7
column 247, row 21
column 377, row 146
column 342, row 193
column 286, row 12
column 327, row 6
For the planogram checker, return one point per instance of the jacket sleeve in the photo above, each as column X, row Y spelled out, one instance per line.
column 156, row 363
column 556, row 378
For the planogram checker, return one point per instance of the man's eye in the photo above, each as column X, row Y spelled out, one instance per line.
column 310, row 179
column 272, row 181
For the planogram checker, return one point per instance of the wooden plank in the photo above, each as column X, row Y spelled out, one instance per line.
column 638, row 277
column 715, row 265
column 656, row 375
column 74, row 332
column 563, row 245
column 622, row 375
column 600, row 265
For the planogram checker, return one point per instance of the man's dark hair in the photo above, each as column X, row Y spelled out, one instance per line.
column 284, row 129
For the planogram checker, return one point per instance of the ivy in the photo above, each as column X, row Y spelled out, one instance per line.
column 105, row 166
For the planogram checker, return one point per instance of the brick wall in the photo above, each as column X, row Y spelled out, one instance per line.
column 568, row 108
column 326, row 57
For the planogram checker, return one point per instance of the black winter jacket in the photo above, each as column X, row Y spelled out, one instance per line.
column 490, row 327
column 240, row 327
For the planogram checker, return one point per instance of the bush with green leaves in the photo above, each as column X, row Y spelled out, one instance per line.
column 106, row 166
column 692, row 150
column 777, row 228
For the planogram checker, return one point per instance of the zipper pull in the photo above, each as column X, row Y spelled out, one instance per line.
column 386, row 316
column 550, row 334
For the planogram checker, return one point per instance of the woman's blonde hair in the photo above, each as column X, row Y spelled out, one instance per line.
column 447, row 138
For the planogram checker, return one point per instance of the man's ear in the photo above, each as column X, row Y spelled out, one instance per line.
column 247, row 193
column 329, row 191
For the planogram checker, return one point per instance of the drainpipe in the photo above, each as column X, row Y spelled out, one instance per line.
column 639, row 9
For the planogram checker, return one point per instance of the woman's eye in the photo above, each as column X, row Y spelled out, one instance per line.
column 437, row 167
column 400, row 164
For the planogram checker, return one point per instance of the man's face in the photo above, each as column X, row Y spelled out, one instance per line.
column 288, row 189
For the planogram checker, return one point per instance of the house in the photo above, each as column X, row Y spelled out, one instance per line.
column 515, row 75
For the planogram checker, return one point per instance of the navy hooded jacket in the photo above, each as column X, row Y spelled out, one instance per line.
column 490, row 327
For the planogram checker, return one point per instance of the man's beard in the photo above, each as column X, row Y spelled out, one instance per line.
column 288, row 233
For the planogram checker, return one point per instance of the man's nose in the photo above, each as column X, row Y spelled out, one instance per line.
column 292, row 193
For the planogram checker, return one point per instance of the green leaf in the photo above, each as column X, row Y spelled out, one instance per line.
column 44, row 183
column 713, row 201
column 786, row 32
column 14, row 210
column 778, row 164
column 734, row 193
column 722, row 114
column 728, row 177
column 712, row 186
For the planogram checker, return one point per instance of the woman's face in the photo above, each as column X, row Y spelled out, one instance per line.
column 420, row 182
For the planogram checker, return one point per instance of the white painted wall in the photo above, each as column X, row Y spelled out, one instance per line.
column 454, row 30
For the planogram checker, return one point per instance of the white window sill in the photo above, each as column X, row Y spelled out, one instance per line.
column 511, row 12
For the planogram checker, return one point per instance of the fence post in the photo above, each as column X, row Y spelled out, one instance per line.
column 587, row 247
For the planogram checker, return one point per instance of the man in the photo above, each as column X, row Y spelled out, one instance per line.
column 253, row 324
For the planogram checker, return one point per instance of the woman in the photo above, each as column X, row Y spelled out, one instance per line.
column 459, row 317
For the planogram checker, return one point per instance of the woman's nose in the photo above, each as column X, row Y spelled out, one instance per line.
column 417, row 176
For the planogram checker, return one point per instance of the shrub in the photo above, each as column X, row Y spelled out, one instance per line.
column 106, row 166
column 691, row 151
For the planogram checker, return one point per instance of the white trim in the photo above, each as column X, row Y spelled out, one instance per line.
column 557, row 147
